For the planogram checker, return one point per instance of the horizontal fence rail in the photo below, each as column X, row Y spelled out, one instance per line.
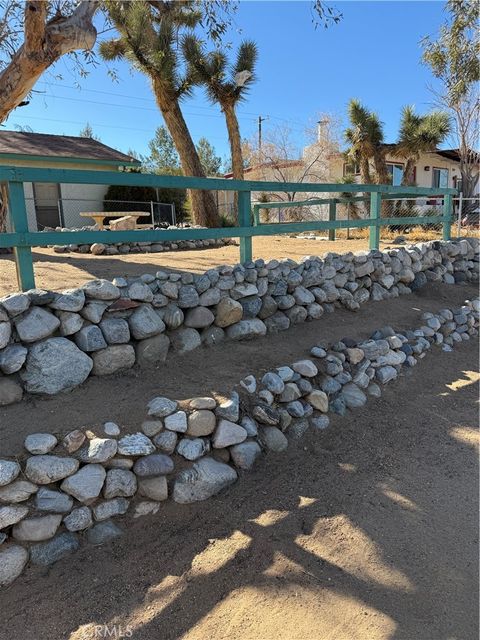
column 248, row 218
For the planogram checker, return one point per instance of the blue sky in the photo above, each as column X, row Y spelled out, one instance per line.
column 373, row 54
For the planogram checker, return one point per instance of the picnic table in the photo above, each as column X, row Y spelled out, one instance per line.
column 99, row 216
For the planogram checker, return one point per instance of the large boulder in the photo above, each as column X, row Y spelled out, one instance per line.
column 206, row 478
column 55, row 365
column 37, row 324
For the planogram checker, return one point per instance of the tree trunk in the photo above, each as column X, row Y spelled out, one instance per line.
column 235, row 148
column 44, row 44
column 203, row 203
column 408, row 179
column 380, row 168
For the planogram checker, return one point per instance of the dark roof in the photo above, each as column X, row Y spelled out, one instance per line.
column 48, row 145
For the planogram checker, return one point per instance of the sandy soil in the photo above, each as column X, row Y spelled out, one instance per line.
column 367, row 531
column 66, row 270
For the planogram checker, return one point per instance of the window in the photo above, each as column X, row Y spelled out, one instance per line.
column 396, row 174
column 439, row 178
column 351, row 169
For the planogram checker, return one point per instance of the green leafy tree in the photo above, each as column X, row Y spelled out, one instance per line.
column 419, row 134
column 87, row 132
column 149, row 32
column 211, row 163
column 365, row 139
column 163, row 156
column 453, row 58
column 226, row 85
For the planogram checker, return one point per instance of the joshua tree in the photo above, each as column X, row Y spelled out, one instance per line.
column 365, row 137
column 225, row 84
column 419, row 134
column 149, row 33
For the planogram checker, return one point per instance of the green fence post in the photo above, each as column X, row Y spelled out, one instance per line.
column 447, row 215
column 332, row 216
column 244, row 220
column 23, row 255
column 256, row 214
column 375, row 211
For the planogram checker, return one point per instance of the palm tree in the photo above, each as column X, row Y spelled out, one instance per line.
column 149, row 34
column 226, row 84
column 365, row 137
column 419, row 134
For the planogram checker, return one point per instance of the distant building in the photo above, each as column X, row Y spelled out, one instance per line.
column 50, row 204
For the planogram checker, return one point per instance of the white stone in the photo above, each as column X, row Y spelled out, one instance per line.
column 176, row 422
column 40, row 443
column 305, row 368
column 12, row 562
column 228, row 433
column 12, row 514
column 135, row 444
column 86, row 484
column 37, row 528
column 9, row 470
column 45, row 469
column 206, row 478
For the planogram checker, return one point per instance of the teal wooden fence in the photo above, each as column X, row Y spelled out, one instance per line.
column 22, row 240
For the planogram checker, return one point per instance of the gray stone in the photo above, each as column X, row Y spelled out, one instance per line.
column 290, row 393
column 93, row 311
column 68, row 300
column 176, row 422
column 48, row 553
column 140, row 291
column 228, row 433
column 154, row 488
column 305, row 368
column 37, row 528
column 273, row 382
column 98, row 450
column 353, row 396
column 12, row 562
column 173, row 317
column 246, row 329
column 12, row 358
column 111, row 429
column 268, row 308
column 11, row 514
column 295, row 409
column 152, row 350
column 115, row 330
column 229, row 409
column 228, row 312
column 185, row 340
column 210, row 297
column 86, row 484
column 277, row 322
column 110, row 508
column 266, row 415
column 36, row 325
column 40, row 443
column 166, row 441
column 160, row 407
column 374, row 390
column 250, row 426
column 201, row 422
column 192, row 449
column 15, row 303
column 151, row 427
column 55, row 365
column 79, row 519
column 17, row 491
column 156, row 464
column 56, row 501
column 206, row 478
column 144, row 323
column 70, row 322
column 101, row 290
column 251, row 306
column 320, row 422
column 45, row 469
column 199, row 318
column 245, row 454
column 103, row 532
column 5, row 333
column 9, row 470
column 187, row 297
column 40, row 296
column 385, row 374
column 114, row 358
column 119, row 483
column 135, row 444
column 273, row 439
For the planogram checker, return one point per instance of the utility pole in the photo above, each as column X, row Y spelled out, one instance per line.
column 260, row 120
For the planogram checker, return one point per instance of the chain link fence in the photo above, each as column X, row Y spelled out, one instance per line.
column 70, row 213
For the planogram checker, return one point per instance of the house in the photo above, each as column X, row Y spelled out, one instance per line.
column 50, row 204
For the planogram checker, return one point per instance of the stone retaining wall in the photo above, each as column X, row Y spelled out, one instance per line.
column 69, row 487
column 52, row 341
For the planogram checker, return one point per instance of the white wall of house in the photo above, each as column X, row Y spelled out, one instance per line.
column 81, row 198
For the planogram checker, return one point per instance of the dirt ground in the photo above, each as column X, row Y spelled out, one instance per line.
column 367, row 531
column 66, row 270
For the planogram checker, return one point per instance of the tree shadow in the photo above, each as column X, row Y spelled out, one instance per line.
column 377, row 511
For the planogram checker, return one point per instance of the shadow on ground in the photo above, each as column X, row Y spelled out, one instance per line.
column 367, row 530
